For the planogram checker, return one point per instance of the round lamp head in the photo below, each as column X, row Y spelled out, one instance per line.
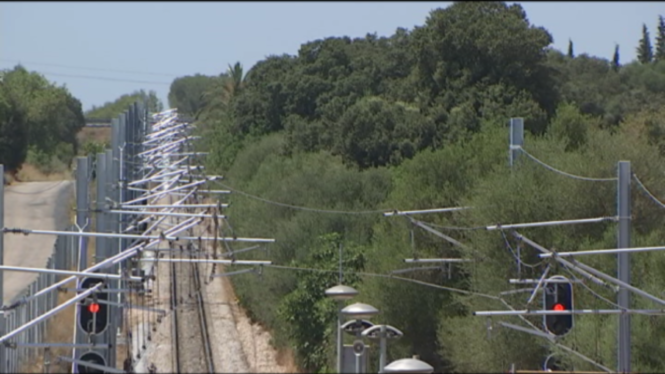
column 408, row 365
column 359, row 311
column 341, row 293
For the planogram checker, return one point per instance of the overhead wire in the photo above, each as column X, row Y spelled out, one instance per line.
column 551, row 168
column 317, row 210
column 647, row 192
column 514, row 253
column 454, row 228
column 387, row 276
column 591, row 291
column 89, row 68
column 110, row 79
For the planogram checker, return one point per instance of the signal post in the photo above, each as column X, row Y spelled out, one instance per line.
column 92, row 327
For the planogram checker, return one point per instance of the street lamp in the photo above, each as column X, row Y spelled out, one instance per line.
column 358, row 312
column 340, row 293
column 382, row 332
column 408, row 365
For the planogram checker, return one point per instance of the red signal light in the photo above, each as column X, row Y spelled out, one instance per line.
column 559, row 307
column 93, row 308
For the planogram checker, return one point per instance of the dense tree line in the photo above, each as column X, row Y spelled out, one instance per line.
column 113, row 109
column 418, row 120
column 38, row 121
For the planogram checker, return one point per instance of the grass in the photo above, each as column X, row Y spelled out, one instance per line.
column 30, row 173
column 94, row 134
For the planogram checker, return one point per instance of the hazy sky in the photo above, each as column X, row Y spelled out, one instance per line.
column 101, row 50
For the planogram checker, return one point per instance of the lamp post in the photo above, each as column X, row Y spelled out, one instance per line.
column 382, row 332
column 340, row 293
column 358, row 312
column 409, row 365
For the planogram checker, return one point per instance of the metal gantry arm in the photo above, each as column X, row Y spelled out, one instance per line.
column 50, row 313
column 589, row 270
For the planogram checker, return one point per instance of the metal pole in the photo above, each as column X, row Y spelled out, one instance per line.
column 68, row 272
column 181, row 206
column 568, row 312
column 585, row 269
column 101, row 244
column 435, row 260
column 208, row 261
column 577, row 266
column 358, row 364
column 549, row 223
column 340, row 344
column 82, row 208
column 132, row 236
column 3, row 320
column 623, row 264
column 382, row 356
column 601, row 252
column 424, row 211
column 516, row 138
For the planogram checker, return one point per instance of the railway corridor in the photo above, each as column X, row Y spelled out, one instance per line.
column 203, row 330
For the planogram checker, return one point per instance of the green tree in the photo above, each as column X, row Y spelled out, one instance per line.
column 644, row 50
column 308, row 313
column 113, row 109
column 417, row 120
column 234, row 84
column 660, row 40
column 570, row 126
column 571, row 54
column 473, row 45
column 13, row 134
column 374, row 132
column 188, row 93
column 50, row 116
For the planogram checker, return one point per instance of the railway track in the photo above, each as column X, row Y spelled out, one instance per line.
column 192, row 347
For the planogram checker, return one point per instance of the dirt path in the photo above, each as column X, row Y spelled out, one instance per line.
column 32, row 205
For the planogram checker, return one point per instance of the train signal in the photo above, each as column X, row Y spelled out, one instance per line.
column 92, row 358
column 558, row 296
column 93, row 313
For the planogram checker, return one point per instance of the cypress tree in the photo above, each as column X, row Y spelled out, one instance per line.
column 571, row 54
column 644, row 50
column 660, row 40
column 615, row 59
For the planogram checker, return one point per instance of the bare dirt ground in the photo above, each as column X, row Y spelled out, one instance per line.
column 32, row 205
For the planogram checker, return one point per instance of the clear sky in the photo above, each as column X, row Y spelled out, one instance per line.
column 102, row 50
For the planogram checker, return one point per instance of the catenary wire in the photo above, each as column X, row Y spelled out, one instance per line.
column 388, row 276
column 551, row 168
column 299, row 207
column 647, row 192
column 512, row 251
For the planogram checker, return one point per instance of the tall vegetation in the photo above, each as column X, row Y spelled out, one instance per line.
column 38, row 121
column 351, row 127
column 113, row 109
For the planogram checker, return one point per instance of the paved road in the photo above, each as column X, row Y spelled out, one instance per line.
column 33, row 205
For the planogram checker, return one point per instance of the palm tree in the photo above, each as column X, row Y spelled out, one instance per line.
column 233, row 83
column 229, row 85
